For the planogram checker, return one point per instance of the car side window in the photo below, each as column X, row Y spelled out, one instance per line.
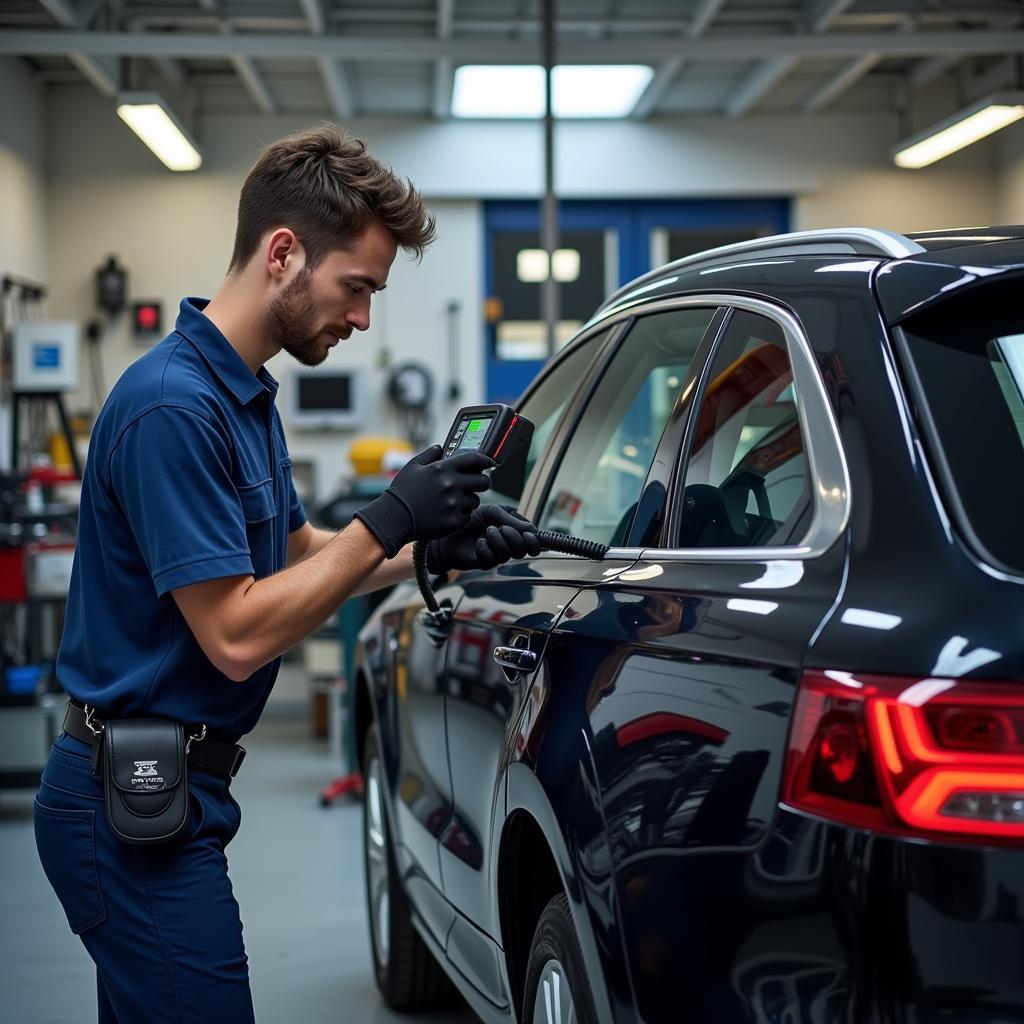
column 607, row 459
column 544, row 409
column 747, row 482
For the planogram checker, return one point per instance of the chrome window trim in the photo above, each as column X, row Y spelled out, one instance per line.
column 830, row 475
column 858, row 241
column 578, row 400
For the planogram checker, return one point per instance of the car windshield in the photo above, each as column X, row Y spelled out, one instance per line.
column 968, row 368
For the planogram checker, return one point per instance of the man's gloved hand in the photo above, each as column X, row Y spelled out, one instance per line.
column 431, row 497
column 492, row 536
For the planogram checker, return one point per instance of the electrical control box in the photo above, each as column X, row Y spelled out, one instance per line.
column 46, row 356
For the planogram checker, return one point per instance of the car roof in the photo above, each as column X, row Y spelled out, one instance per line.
column 933, row 260
column 941, row 241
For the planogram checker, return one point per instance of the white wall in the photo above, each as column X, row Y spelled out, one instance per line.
column 22, row 182
column 107, row 194
column 1009, row 197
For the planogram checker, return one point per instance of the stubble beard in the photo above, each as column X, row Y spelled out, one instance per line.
column 291, row 319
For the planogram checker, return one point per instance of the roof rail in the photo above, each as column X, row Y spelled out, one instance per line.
column 823, row 242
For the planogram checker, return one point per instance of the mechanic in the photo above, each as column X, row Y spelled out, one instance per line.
column 196, row 569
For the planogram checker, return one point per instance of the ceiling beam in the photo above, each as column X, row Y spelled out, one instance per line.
column 929, row 70
column 599, row 51
column 848, row 75
column 444, row 83
column 256, row 84
column 173, row 72
column 445, row 18
column 667, row 72
column 315, row 15
column 758, row 84
column 335, row 76
column 249, row 74
column 703, row 16
column 820, row 14
column 842, row 80
column 1001, row 75
column 338, row 84
column 103, row 72
column 444, row 69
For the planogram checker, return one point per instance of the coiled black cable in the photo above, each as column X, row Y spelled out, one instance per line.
column 549, row 541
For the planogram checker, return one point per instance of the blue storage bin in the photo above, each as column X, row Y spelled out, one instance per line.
column 22, row 679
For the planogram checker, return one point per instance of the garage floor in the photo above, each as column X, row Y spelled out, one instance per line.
column 297, row 872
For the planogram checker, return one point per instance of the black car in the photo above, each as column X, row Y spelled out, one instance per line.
column 765, row 761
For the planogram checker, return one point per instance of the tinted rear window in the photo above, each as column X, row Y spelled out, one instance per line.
column 966, row 368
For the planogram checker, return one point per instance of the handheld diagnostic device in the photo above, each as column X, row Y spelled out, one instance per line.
column 499, row 432
column 495, row 430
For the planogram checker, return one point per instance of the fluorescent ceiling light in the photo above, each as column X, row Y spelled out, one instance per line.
column 151, row 119
column 609, row 90
column 964, row 128
column 498, row 91
column 517, row 91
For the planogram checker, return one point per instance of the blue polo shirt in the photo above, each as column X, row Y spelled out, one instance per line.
column 188, row 479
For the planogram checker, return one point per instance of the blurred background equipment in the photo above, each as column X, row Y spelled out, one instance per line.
column 375, row 460
column 111, row 286
column 37, row 523
column 411, row 389
column 147, row 321
column 322, row 398
column 37, row 543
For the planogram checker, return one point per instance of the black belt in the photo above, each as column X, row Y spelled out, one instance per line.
column 208, row 755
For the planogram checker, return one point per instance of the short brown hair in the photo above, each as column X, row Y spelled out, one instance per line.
column 327, row 187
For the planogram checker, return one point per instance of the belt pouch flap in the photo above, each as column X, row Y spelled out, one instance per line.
column 145, row 778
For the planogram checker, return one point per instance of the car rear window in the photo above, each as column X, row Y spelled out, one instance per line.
column 966, row 367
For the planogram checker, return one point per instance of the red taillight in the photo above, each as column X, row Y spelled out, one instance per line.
column 911, row 756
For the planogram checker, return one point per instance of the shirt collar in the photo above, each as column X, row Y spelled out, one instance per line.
column 216, row 350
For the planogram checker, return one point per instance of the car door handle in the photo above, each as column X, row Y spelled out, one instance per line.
column 516, row 659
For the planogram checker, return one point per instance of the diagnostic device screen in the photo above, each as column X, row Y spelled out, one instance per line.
column 471, row 432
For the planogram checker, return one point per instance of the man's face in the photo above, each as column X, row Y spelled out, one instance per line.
column 319, row 308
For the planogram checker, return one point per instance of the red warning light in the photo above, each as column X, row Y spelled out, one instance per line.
column 147, row 318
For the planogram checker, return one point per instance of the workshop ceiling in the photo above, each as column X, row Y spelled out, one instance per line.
column 351, row 58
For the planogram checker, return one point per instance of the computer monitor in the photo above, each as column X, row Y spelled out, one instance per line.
column 326, row 399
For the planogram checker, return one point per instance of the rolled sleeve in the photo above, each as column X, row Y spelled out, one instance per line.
column 296, row 513
column 171, row 475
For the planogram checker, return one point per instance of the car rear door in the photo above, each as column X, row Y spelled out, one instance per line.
column 687, row 662
column 605, row 448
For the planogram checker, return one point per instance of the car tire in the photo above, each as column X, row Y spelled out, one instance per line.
column 557, row 989
column 408, row 976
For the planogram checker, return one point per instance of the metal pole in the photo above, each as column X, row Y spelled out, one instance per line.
column 549, row 205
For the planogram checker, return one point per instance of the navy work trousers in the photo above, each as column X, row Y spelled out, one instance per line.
column 160, row 922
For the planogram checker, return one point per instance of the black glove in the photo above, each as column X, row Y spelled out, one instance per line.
column 430, row 497
column 492, row 536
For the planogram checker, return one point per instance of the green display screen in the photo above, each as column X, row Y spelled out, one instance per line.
column 473, row 431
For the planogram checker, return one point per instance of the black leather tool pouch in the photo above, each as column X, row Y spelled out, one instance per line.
column 145, row 778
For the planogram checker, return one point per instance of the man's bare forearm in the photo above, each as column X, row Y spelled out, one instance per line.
column 394, row 570
column 387, row 574
column 277, row 612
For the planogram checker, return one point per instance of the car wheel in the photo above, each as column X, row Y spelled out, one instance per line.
column 557, row 990
column 407, row 974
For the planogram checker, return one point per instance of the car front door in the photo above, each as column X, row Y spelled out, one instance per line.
column 589, row 484
column 687, row 665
